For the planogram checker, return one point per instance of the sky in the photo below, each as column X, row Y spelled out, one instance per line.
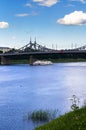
column 57, row 24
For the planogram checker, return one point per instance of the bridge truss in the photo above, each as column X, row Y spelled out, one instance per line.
column 33, row 46
column 81, row 48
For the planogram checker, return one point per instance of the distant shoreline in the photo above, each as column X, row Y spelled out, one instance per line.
column 67, row 60
column 52, row 60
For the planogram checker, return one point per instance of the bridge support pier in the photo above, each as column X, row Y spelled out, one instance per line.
column 31, row 60
column 5, row 60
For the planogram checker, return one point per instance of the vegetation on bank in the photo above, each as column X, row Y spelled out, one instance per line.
column 75, row 120
column 42, row 115
column 19, row 61
column 25, row 61
column 68, row 60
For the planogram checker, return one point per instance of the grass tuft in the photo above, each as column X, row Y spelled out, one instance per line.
column 42, row 115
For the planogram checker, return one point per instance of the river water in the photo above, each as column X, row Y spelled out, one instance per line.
column 25, row 88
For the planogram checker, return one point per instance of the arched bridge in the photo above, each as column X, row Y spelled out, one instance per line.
column 33, row 51
column 34, row 47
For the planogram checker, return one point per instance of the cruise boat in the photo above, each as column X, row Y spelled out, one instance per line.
column 42, row 62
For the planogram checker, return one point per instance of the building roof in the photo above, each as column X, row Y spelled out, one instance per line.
column 4, row 48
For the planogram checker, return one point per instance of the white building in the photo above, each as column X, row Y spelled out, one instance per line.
column 5, row 49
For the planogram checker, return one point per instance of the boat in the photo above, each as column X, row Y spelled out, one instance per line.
column 42, row 62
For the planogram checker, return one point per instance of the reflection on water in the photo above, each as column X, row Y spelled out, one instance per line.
column 25, row 88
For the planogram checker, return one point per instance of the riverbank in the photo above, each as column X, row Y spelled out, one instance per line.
column 52, row 60
column 67, row 60
column 75, row 120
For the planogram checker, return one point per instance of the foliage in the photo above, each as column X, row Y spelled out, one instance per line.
column 11, row 51
column 65, row 60
column 42, row 115
column 1, row 51
column 75, row 120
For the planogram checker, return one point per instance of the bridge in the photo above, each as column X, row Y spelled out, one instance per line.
column 33, row 51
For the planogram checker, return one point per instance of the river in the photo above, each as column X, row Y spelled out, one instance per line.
column 25, row 88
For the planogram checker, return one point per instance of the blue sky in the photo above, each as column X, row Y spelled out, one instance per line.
column 54, row 23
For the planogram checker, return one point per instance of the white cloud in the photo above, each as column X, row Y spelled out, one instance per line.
column 69, row 5
column 22, row 15
column 28, row 5
column 4, row 25
column 74, row 18
column 82, row 1
column 27, row 14
column 47, row 3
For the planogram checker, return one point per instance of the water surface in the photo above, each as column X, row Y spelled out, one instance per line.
column 25, row 88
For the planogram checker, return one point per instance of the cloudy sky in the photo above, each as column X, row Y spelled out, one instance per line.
column 54, row 23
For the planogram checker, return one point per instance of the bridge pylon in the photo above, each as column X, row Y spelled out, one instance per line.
column 5, row 60
column 31, row 60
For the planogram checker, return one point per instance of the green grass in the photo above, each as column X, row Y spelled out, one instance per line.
column 19, row 61
column 53, row 60
column 75, row 120
column 68, row 60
